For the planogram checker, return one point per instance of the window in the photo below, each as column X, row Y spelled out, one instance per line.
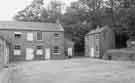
column 39, row 35
column 57, row 35
column 39, row 50
column 17, row 50
column 30, row 36
column 17, row 34
column 97, row 48
column 97, row 36
column 17, row 47
column 56, row 49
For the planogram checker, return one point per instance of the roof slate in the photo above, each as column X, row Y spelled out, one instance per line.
column 98, row 30
column 14, row 25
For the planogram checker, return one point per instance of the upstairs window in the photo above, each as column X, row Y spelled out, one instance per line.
column 30, row 36
column 17, row 34
column 17, row 50
column 57, row 35
column 39, row 35
column 97, row 36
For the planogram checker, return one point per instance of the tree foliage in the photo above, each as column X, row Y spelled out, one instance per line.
column 83, row 15
column 33, row 12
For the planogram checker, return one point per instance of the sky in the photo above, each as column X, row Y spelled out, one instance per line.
column 10, row 7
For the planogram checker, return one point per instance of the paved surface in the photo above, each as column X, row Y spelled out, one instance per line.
column 4, row 75
column 83, row 70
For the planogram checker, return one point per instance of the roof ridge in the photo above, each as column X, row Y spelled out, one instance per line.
column 30, row 25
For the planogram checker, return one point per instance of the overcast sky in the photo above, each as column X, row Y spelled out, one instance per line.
column 9, row 7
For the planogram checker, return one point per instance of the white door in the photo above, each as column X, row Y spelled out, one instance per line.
column 92, row 52
column 70, row 52
column 47, row 53
column 29, row 54
column 6, row 55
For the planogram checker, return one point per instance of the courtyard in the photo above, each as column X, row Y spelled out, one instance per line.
column 75, row 70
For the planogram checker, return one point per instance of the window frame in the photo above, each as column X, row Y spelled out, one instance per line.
column 39, row 48
column 17, row 49
column 41, row 34
column 27, row 36
column 57, row 35
column 56, row 50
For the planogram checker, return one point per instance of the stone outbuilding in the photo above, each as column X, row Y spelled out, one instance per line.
column 98, row 41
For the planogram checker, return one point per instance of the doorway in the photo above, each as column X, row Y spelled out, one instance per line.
column 29, row 54
column 47, row 53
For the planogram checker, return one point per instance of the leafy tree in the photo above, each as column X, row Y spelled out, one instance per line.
column 33, row 12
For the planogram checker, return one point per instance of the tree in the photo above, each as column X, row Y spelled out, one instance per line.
column 55, row 10
column 33, row 12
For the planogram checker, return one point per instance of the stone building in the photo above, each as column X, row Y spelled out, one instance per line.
column 98, row 41
column 33, row 40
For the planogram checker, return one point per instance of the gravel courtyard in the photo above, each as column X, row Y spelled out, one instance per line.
column 80, row 70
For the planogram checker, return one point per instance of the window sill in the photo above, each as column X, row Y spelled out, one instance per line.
column 56, row 53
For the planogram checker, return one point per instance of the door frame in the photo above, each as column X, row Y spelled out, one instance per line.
column 29, row 57
column 47, row 53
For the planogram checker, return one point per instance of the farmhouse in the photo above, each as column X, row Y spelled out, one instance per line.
column 98, row 41
column 33, row 40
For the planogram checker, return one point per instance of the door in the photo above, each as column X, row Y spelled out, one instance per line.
column 92, row 52
column 70, row 52
column 6, row 55
column 47, row 53
column 29, row 54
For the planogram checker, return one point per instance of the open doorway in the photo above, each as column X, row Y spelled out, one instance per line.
column 79, row 48
column 121, row 39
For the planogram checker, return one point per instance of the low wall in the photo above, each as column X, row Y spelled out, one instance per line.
column 126, row 54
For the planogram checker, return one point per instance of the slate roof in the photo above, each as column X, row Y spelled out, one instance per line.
column 14, row 25
column 98, row 30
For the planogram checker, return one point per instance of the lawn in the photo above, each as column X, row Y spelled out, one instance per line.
column 77, row 70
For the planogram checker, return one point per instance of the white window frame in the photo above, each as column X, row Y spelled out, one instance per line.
column 17, row 52
column 30, row 36
column 39, row 51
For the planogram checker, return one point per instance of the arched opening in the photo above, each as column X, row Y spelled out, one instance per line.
column 79, row 48
column 121, row 39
